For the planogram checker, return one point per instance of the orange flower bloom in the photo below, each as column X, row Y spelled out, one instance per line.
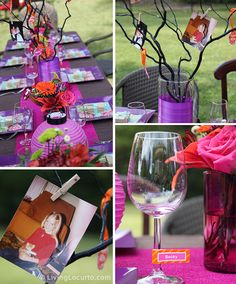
column 46, row 88
column 204, row 128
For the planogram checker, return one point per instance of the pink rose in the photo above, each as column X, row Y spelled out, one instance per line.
column 219, row 152
column 41, row 30
column 68, row 97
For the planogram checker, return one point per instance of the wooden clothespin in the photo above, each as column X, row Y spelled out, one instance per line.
column 10, row 12
column 65, row 187
column 205, row 14
column 139, row 18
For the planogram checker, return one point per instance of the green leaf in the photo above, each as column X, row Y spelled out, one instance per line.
column 36, row 155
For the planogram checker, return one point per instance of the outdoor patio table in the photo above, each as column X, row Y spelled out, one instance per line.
column 92, row 89
column 192, row 273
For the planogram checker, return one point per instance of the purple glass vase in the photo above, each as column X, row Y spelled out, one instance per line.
column 47, row 69
column 220, row 222
column 170, row 111
column 176, row 97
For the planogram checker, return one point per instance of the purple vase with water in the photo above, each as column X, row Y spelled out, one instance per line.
column 220, row 222
column 176, row 97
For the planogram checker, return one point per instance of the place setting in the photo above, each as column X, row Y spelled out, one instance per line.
column 135, row 112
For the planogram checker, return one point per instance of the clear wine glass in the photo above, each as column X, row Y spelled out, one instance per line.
column 60, row 53
column 219, row 112
column 156, row 185
column 77, row 113
column 137, row 108
column 23, row 116
column 29, row 53
column 31, row 72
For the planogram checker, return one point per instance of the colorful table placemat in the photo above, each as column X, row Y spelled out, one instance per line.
column 12, row 61
column 16, row 82
column 126, row 115
column 7, row 124
column 97, row 108
column 83, row 74
column 14, row 45
column 76, row 53
column 192, row 273
column 73, row 37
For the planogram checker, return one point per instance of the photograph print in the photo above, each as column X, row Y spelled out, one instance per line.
column 199, row 30
column 43, row 234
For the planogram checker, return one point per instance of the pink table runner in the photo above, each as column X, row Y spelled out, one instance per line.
column 192, row 273
column 38, row 116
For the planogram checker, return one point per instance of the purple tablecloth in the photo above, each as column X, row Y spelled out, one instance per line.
column 192, row 273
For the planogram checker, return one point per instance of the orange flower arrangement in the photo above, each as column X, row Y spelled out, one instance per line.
column 52, row 95
column 204, row 129
column 46, row 88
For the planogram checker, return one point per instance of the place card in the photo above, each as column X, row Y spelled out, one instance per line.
column 164, row 256
column 43, row 233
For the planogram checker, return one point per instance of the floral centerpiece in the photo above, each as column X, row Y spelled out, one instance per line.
column 52, row 95
column 214, row 149
column 62, row 153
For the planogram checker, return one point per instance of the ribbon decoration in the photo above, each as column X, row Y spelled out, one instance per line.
column 143, row 59
column 102, row 255
column 232, row 36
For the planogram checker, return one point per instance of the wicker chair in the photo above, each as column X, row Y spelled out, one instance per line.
column 187, row 219
column 105, row 64
column 136, row 87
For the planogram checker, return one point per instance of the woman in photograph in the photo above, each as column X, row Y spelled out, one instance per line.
column 39, row 247
column 199, row 34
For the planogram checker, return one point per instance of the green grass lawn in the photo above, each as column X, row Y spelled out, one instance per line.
column 128, row 57
column 85, row 268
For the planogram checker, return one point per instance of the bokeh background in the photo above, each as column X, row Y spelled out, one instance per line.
column 124, row 140
column 91, row 188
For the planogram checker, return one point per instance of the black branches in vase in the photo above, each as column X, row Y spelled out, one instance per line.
column 198, row 34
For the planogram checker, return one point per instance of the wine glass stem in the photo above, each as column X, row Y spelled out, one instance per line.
column 157, row 242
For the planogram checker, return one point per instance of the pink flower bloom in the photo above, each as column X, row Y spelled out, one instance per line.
column 219, row 152
column 68, row 97
column 41, row 30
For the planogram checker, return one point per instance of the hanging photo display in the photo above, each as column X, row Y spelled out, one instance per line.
column 140, row 35
column 134, row 1
column 16, row 30
column 43, row 234
column 232, row 35
column 199, row 30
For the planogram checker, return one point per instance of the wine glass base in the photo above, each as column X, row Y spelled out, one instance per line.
column 160, row 278
column 25, row 142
